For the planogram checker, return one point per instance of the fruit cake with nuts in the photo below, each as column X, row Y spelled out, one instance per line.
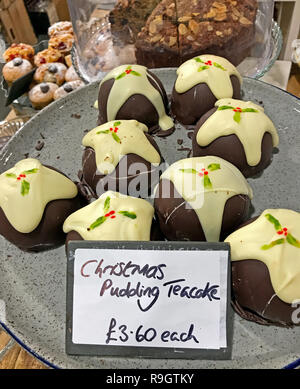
column 128, row 17
column 178, row 30
column 224, row 27
column 157, row 42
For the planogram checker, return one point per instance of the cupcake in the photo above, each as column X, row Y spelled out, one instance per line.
column 19, row 50
column 112, row 216
column 68, row 87
column 201, row 199
column 265, row 255
column 42, row 94
column 51, row 72
column 132, row 92
column 120, row 156
column 201, row 81
column 15, row 69
column 35, row 200
column 238, row 131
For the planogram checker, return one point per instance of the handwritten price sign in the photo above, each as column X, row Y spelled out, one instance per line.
column 156, row 299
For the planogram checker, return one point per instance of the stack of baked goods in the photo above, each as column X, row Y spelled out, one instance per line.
column 54, row 75
column 206, row 197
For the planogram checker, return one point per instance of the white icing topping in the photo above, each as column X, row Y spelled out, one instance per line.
column 92, row 224
column 249, row 127
column 282, row 260
column 135, row 82
column 207, row 196
column 23, row 200
column 112, row 140
column 212, row 70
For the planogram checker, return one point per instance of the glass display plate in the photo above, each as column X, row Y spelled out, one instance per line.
column 33, row 286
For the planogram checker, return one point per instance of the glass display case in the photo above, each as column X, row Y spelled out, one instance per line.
column 165, row 33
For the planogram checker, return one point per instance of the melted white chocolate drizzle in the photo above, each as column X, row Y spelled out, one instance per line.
column 27, row 188
column 113, row 216
column 209, row 69
column 206, row 183
column 131, row 80
column 112, row 140
column 274, row 239
column 244, row 119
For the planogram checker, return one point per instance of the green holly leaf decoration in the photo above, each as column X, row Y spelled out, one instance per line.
column 107, row 203
column 31, row 171
column 120, row 76
column 207, row 183
column 249, row 110
column 97, row 223
column 203, row 68
column 223, row 107
column 131, row 215
column 237, row 117
column 116, row 138
column 218, row 66
column 11, row 175
column 293, row 241
column 272, row 244
column 214, row 166
column 135, row 73
column 199, row 60
column 116, row 124
column 274, row 221
column 25, row 186
column 103, row 132
column 188, row 171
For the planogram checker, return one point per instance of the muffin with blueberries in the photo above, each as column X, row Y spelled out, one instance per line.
column 42, row 94
column 67, row 88
column 51, row 72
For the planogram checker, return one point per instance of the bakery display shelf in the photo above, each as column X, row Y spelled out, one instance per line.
column 33, row 287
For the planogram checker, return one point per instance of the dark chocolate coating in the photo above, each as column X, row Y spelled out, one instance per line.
column 178, row 221
column 231, row 149
column 49, row 233
column 188, row 107
column 119, row 180
column 137, row 106
column 253, row 295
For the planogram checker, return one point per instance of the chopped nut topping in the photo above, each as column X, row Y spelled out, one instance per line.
column 182, row 29
column 170, row 12
column 152, row 27
column 228, row 31
column 219, row 6
column 236, row 12
column 245, row 21
column 211, row 14
column 184, row 18
column 196, row 13
column 235, row 18
column 194, row 26
column 220, row 17
column 156, row 38
column 219, row 33
column 190, row 38
column 209, row 28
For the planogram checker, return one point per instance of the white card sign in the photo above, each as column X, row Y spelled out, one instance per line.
column 148, row 298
